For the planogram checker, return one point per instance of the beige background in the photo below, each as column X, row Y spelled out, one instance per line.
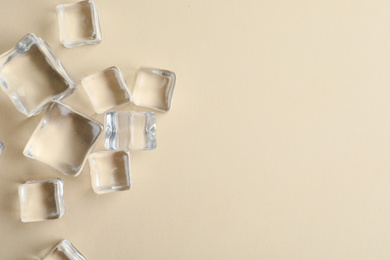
column 277, row 145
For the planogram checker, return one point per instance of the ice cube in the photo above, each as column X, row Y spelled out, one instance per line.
column 110, row 171
column 63, row 139
column 32, row 76
column 130, row 130
column 64, row 251
column 79, row 24
column 106, row 89
column 41, row 200
column 154, row 89
column 2, row 146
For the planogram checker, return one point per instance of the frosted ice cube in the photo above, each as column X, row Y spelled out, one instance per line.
column 110, row 171
column 41, row 200
column 130, row 130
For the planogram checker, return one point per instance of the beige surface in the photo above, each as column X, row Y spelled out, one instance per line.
column 277, row 145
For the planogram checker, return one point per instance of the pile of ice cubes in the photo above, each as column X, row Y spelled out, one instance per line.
column 35, row 81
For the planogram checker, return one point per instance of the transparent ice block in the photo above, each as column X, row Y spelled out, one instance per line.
column 32, row 76
column 110, row 171
column 106, row 89
column 130, row 130
column 79, row 24
column 2, row 146
column 63, row 139
column 154, row 89
column 64, row 251
column 41, row 200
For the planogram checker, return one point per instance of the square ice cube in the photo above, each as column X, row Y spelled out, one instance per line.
column 41, row 200
column 2, row 146
column 32, row 76
column 130, row 130
column 154, row 89
column 110, row 171
column 106, row 89
column 79, row 24
column 64, row 251
column 63, row 139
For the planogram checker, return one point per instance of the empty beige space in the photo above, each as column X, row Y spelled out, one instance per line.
column 277, row 145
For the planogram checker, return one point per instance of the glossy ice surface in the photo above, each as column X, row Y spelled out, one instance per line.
column 79, row 24
column 41, row 200
column 106, row 89
column 110, row 171
column 63, row 139
column 2, row 147
column 154, row 89
column 32, row 76
column 64, row 251
column 130, row 130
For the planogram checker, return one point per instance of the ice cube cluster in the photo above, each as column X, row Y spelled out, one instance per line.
column 35, row 81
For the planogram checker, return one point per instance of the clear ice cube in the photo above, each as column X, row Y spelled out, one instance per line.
column 41, row 200
column 63, row 139
column 130, row 130
column 79, row 24
column 64, row 251
column 2, row 147
column 106, row 89
column 154, row 89
column 110, row 171
column 32, row 76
